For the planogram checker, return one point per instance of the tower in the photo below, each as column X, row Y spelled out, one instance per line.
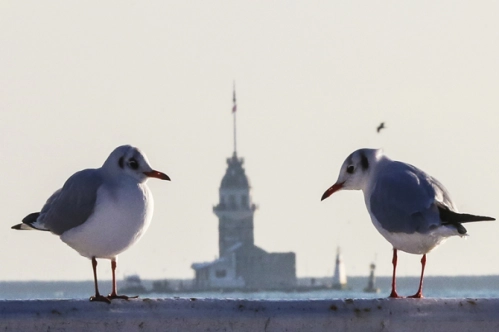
column 340, row 275
column 371, row 283
column 241, row 264
column 235, row 210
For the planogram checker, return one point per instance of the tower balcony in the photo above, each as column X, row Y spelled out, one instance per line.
column 222, row 207
column 234, row 212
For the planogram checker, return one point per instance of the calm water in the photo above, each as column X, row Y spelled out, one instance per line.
column 434, row 287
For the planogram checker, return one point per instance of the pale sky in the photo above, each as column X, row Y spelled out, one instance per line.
column 314, row 79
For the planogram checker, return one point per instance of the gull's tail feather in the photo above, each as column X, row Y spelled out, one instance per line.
column 30, row 223
column 454, row 218
column 22, row 227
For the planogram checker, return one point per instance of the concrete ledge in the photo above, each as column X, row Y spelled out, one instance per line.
column 250, row 315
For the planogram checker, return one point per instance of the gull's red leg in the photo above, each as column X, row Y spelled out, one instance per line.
column 394, row 294
column 419, row 294
column 114, row 292
column 97, row 296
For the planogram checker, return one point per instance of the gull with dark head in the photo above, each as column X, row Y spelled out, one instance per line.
column 101, row 212
column 411, row 209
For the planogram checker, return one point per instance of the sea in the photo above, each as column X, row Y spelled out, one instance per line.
column 434, row 287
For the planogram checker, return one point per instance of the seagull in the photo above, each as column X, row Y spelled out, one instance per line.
column 101, row 212
column 411, row 209
column 381, row 126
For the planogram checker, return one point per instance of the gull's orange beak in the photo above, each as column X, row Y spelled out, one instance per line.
column 158, row 175
column 331, row 190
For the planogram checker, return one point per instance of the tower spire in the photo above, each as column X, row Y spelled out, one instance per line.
column 234, row 109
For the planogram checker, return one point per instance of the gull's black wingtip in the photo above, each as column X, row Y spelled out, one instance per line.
column 18, row 226
column 483, row 218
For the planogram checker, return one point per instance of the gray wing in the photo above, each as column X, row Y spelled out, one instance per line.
column 441, row 194
column 71, row 205
column 404, row 199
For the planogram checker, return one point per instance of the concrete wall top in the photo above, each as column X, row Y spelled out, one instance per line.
column 252, row 315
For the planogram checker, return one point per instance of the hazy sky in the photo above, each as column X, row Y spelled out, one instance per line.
column 314, row 79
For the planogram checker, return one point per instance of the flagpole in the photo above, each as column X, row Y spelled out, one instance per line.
column 235, row 141
column 234, row 111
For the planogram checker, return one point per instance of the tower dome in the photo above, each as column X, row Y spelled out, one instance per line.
column 235, row 177
column 235, row 191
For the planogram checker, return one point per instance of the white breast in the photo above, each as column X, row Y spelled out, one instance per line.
column 120, row 218
column 416, row 243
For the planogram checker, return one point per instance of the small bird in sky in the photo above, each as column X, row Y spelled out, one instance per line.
column 381, row 126
column 411, row 209
column 101, row 212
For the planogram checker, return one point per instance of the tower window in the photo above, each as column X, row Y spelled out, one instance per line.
column 220, row 273
column 232, row 201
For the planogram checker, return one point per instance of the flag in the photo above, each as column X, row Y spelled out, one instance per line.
column 234, row 107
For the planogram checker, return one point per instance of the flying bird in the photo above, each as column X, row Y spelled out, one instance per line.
column 411, row 209
column 381, row 126
column 101, row 212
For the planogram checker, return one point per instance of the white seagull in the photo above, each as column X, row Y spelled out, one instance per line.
column 411, row 209
column 101, row 212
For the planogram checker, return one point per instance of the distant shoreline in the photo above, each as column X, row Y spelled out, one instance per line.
column 434, row 286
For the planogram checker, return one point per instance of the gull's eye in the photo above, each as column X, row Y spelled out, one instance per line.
column 120, row 162
column 350, row 169
column 133, row 164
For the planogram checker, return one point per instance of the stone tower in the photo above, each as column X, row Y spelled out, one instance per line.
column 235, row 210
column 240, row 263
